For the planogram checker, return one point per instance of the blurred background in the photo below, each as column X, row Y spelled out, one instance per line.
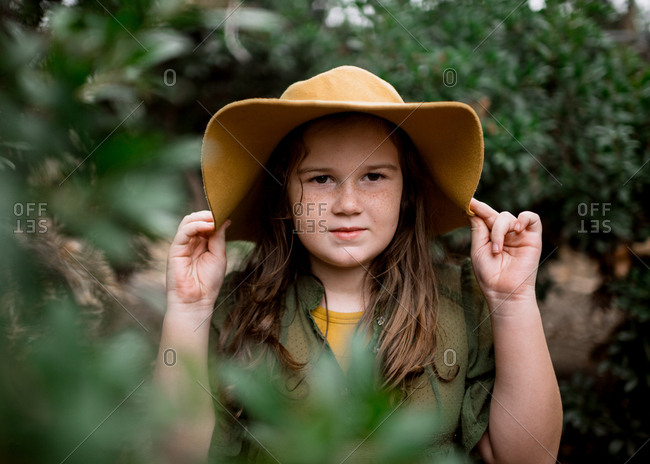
column 102, row 107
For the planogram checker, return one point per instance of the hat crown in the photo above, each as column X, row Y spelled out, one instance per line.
column 343, row 84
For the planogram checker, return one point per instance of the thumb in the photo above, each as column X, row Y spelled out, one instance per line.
column 218, row 239
column 480, row 233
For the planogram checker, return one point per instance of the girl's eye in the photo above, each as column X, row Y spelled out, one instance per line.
column 374, row 176
column 320, row 179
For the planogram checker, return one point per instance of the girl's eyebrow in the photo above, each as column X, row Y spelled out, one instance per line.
column 367, row 167
column 314, row 169
column 374, row 167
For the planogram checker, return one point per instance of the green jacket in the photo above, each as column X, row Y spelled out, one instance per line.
column 458, row 387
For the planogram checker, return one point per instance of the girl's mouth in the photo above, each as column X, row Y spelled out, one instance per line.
column 347, row 233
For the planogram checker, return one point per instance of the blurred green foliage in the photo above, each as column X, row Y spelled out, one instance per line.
column 343, row 419
column 67, row 400
column 86, row 176
column 102, row 106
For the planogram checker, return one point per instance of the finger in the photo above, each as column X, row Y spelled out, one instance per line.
column 480, row 233
column 484, row 211
column 192, row 229
column 204, row 215
column 217, row 241
column 528, row 220
column 504, row 223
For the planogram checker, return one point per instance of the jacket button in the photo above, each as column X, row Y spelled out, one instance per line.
column 381, row 320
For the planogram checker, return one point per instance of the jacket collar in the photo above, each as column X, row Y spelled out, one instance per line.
column 310, row 292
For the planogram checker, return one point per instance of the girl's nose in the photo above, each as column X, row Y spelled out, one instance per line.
column 347, row 199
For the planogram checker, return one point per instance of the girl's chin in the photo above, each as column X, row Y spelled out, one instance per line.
column 350, row 260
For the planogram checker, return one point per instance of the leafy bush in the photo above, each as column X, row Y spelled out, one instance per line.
column 87, row 174
column 65, row 399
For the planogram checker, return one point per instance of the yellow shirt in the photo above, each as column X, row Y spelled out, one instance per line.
column 338, row 332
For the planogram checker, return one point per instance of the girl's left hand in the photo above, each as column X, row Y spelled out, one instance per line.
column 505, row 252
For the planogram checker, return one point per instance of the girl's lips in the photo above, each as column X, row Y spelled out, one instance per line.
column 347, row 233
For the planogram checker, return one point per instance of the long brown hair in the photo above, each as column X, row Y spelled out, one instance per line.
column 401, row 279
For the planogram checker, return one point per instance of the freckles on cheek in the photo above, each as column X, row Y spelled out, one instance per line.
column 309, row 212
column 387, row 200
column 386, row 207
column 317, row 202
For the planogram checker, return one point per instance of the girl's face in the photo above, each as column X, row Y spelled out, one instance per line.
column 345, row 195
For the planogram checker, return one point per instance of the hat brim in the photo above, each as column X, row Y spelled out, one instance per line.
column 241, row 136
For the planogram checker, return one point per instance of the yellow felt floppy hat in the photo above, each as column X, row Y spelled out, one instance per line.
column 241, row 136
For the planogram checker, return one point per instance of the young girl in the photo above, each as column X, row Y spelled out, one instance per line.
column 341, row 186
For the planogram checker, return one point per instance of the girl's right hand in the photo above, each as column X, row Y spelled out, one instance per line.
column 196, row 265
